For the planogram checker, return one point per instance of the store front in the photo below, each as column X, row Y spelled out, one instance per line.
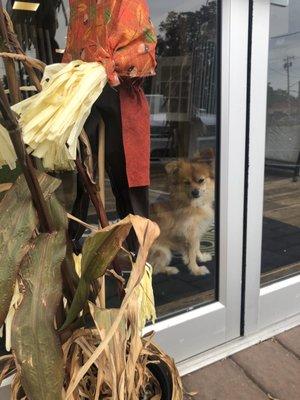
column 227, row 82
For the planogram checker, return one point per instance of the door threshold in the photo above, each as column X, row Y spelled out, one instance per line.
column 225, row 350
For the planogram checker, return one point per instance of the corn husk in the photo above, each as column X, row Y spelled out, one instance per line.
column 53, row 119
column 143, row 292
column 112, row 362
column 145, row 298
column 77, row 263
column 7, row 151
column 15, row 302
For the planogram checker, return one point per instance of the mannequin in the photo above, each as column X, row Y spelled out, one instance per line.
column 120, row 35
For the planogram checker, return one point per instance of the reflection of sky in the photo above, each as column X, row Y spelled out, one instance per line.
column 62, row 29
column 160, row 9
column 284, row 32
column 284, row 42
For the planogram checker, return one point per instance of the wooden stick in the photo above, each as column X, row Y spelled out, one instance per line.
column 93, row 193
column 101, row 161
column 8, row 63
column 101, row 184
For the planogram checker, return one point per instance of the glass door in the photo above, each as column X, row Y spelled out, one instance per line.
column 198, row 108
column 197, row 103
column 274, row 186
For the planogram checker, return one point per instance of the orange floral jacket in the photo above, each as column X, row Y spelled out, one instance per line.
column 120, row 35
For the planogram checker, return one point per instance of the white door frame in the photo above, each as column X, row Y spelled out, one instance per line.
column 281, row 300
column 193, row 332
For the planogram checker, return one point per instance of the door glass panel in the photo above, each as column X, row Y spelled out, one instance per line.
column 183, row 99
column 281, row 226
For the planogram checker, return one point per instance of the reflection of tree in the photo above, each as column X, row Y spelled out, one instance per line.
column 180, row 33
column 281, row 106
column 277, row 96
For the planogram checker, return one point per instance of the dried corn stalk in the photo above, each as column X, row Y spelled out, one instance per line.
column 110, row 362
column 113, row 362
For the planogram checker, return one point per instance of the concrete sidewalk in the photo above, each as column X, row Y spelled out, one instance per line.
column 268, row 371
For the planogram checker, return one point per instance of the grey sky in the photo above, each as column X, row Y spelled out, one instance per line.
column 285, row 42
column 160, row 9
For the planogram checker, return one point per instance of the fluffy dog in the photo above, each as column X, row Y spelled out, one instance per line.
column 186, row 216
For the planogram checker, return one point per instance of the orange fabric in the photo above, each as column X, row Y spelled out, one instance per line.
column 120, row 35
column 117, row 33
column 136, row 133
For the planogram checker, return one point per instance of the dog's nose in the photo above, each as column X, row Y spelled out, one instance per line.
column 195, row 193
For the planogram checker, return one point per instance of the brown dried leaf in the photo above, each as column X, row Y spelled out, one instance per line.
column 146, row 232
column 4, row 187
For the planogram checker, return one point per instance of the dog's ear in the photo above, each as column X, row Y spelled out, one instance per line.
column 205, row 155
column 172, row 167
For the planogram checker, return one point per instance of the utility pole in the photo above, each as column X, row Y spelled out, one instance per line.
column 287, row 65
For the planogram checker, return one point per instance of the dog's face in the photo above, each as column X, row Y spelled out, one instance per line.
column 192, row 182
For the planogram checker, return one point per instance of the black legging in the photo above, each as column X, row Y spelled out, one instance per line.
column 128, row 200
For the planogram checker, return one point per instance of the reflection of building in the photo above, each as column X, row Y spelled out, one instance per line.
column 188, row 83
column 173, row 81
column 283, row 127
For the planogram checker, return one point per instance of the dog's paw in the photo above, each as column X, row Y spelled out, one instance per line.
column 172, row 270
column 185, row 259
column 204, row 257
column 199, row 271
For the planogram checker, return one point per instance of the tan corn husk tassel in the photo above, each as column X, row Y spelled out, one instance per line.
column 145, row 298
column 53, row 119
column 7, row 151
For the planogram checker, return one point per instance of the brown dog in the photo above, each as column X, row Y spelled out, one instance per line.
column 186, row 216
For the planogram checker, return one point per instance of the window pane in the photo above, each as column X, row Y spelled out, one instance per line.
column 281, row 228
column 183, row 99
column 183, row 102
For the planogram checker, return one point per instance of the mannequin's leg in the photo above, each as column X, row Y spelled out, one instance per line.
column 128, row 200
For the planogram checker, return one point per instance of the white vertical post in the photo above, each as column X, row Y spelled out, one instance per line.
column 257, row 135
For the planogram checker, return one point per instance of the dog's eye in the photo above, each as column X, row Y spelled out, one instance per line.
column 201, row 180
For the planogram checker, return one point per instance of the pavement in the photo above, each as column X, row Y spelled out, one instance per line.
column 269, row 370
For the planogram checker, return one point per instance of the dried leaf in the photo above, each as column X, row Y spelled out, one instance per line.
column 4, row 187
column 87, row 155
column 271, row 397
column 98, row 252
column 18, row 221
column 104, row 320
column 146, row 232
column 34, row 340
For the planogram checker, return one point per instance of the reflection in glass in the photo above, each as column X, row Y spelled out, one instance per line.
column 183, row 101
column 183, row 143
column 281, row 227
